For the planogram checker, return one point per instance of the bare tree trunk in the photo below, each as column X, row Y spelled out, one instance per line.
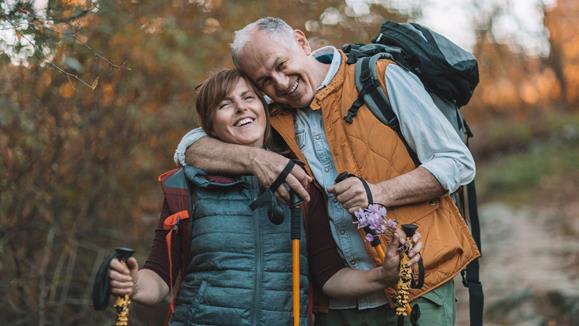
column 556, row 59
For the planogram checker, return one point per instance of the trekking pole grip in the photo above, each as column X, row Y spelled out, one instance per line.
column 122, row 303
column 295, row 202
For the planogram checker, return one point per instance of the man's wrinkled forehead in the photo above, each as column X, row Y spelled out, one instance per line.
column 261, row 54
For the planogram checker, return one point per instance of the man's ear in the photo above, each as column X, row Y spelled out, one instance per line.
column 302, row 41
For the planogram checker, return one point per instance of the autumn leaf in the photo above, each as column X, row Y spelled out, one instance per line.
column 95, row 83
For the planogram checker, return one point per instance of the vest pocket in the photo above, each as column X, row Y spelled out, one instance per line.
column 443, row 247
column 413, row 213
column 187, row 303
column 440, row 227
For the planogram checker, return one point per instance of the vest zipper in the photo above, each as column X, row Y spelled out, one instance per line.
column 258, row 258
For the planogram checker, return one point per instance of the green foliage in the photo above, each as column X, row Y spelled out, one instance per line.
column 504, row 134
column 514, row 176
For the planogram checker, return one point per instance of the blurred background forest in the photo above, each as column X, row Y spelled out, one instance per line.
column 94, row 96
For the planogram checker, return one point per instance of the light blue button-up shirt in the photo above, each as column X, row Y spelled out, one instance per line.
column 424, row 128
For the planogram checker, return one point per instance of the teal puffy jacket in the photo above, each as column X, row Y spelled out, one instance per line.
column 240, row 266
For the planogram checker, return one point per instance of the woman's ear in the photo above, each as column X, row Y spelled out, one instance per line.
column 302, row 41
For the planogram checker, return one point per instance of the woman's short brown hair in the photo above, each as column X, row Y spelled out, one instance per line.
column 214, row 89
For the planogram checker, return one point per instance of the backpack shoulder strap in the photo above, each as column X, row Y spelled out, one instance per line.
column 180, row 198
column 371, row 93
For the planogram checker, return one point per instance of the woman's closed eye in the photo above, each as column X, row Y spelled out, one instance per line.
column 223, row 105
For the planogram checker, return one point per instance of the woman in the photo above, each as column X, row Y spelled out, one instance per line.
column 238, row 269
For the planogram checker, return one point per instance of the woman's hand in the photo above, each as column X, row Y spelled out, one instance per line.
column 414, row 254
column 124, row 278
column 390, row 267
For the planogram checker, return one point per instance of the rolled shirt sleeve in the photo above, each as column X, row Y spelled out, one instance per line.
column 427, row 131
column 189, row 139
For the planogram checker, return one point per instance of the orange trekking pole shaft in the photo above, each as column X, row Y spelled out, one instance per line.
column 295, row 225
column 296, row 280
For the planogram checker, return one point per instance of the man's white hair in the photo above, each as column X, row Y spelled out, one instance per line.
column 272, row 26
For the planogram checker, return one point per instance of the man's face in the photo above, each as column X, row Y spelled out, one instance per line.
column 281, row 68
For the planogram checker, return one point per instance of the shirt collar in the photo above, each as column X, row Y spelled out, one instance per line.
column 323, row 55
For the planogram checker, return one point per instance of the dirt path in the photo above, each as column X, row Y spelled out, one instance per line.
column 530, row 268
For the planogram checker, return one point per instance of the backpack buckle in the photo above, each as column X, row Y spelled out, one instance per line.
column 378, row 38
column 394, row 123
column 368, row 83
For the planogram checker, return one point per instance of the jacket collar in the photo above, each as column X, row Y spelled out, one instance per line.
column 334, row 83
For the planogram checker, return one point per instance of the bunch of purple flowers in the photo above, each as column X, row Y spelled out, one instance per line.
column 373, row 220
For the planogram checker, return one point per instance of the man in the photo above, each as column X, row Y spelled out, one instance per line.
column 315, row 90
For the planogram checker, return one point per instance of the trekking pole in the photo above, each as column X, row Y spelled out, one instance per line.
column 122, row 303
column 276, row 217
column 372, row 220
column 374, row 223
column 376, row 245
column 405, row 281
column 295, row 224
column 381, row 254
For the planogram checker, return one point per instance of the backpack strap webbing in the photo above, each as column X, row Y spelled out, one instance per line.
column 371, row 93
column 470, row 276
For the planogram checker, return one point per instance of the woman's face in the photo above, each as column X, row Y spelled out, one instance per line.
column 240, row 117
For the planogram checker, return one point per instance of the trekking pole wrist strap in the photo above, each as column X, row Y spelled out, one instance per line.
column 282, row 176
column 345, row 175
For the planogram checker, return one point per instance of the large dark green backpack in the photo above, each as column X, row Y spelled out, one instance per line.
column 450, row 75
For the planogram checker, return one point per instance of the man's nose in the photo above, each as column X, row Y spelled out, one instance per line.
column 281, row 81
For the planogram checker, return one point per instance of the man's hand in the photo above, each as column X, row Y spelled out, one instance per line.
column 351, row 194
column 416, row 186
column 267, row 166
column 215, row 156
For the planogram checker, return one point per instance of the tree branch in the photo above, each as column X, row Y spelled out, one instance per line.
column 92, row 85
column 42, row 275
column 98, row 55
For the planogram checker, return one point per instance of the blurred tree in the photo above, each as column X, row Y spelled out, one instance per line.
column 94, row 95
column 515, row 82
column 78, row 163
column 561, row 21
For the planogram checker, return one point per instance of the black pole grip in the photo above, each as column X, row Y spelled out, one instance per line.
column 409, row 229
column 101, row 290
column 295, row 202
column 124, row 253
